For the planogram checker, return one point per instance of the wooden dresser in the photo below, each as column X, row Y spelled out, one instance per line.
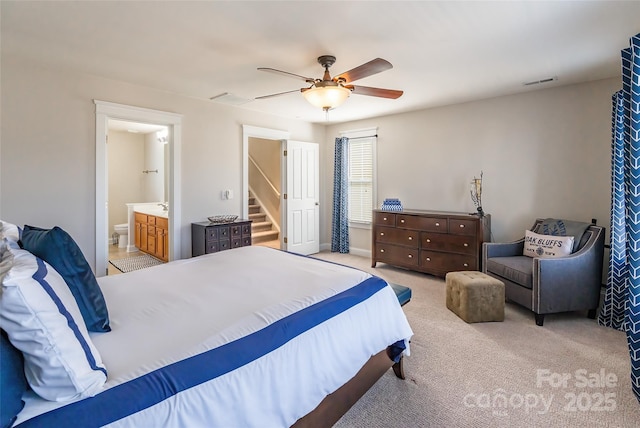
column 209, row 237
column 429, row 241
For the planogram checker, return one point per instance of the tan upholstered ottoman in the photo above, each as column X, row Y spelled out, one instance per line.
column 475, row 296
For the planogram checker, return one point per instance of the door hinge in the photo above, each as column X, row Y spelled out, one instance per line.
column 285, row 240
column 285, row 153
column 285, row 196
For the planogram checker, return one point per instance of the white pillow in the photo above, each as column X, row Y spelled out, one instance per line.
column 546, row 246
column 42, row 319
column 9, row 231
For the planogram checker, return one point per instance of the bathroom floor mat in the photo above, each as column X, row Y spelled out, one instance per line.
column 129, row 264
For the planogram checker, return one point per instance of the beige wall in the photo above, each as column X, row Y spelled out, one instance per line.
column 545, row 153
column 47, row 163
column 126, row 152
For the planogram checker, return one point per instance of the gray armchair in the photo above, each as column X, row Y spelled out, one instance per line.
column 549, row 285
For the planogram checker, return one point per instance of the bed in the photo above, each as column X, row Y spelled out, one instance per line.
column 245, row 337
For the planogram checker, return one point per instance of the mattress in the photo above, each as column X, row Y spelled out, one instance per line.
column 245, row 337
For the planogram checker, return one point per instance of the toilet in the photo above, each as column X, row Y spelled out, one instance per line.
column 123, row 231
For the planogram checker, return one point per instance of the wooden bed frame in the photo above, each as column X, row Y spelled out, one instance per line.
column 336, row 404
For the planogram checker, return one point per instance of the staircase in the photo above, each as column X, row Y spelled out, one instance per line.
column 262, row 229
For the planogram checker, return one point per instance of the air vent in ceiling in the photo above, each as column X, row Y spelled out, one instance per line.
column 537, row 82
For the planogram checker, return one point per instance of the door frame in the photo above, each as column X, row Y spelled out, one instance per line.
column 249, row 131
column 107, row 110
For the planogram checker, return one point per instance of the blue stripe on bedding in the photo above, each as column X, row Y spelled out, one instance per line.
column 152, row 388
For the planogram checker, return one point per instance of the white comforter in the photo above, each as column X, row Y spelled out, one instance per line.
column 166, row 314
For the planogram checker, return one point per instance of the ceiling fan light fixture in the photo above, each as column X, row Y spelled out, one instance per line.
column 327, row 97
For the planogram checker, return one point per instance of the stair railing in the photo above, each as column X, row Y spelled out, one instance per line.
column 265, row 178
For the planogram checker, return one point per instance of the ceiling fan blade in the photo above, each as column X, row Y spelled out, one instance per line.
column 372, row 67
column 286, row 73
column 375, row 92
column 277, row 95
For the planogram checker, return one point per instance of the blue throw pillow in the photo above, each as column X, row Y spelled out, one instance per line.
column 12, row 381
column 56, row 247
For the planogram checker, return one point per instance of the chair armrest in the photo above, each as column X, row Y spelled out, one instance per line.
column 572, row 282
column 498, row 249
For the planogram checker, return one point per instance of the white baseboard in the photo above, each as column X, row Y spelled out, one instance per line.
column 355, row 251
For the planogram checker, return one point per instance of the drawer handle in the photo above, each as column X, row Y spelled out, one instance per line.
column 462, row 225
column 382, row 251
column 466, row 265
column 381, row 233
column 466, row 245
column 410, row 256
column 437, row 224
column 428, row 240
column 411, row 238
column 428, row 259
column 384, row 218
column 402, row 221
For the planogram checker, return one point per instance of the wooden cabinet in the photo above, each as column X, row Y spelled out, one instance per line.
column 152, row 235
column 429, row 241
column 213, row 237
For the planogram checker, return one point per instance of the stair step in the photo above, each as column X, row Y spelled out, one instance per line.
column 257, row 217
column 268, row 235
column 260, row 226
column 252, row 200
column 253, row 209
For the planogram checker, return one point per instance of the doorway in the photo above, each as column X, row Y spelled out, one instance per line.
column 299, row 219
column 106, row 111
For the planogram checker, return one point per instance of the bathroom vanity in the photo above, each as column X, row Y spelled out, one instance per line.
column 152, row 234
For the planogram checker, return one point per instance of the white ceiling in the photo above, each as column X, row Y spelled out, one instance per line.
column 443, row 52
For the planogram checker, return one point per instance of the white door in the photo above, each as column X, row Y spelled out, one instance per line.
column 302, row 198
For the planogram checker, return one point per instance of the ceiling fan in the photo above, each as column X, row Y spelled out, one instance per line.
column 328, row 92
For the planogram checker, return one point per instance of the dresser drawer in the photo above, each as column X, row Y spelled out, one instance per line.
column 462, row 227
column 461, row 244
column 236, row 231
column 223, row 232
column 447, row 262
column 246, row 229
column 395, row 254
column 224, row 244
column 212, row 233
column 385, row 219
column 407, row 237
column 433, row 224
column 236, row 242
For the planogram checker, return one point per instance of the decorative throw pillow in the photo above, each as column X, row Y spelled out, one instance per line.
column 57, row 247
column 12, row 381
column 546, row 246
column 42, row 319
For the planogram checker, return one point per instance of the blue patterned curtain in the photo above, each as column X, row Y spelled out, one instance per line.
column 340, row 219
column 613, row 309
column 623, row 283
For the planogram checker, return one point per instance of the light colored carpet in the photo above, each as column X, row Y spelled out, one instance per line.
column 129, row 264
column 498, row 374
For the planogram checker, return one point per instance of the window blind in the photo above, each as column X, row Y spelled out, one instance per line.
column 361, row 179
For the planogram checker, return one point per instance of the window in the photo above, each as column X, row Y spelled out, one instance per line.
column 362, row 147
